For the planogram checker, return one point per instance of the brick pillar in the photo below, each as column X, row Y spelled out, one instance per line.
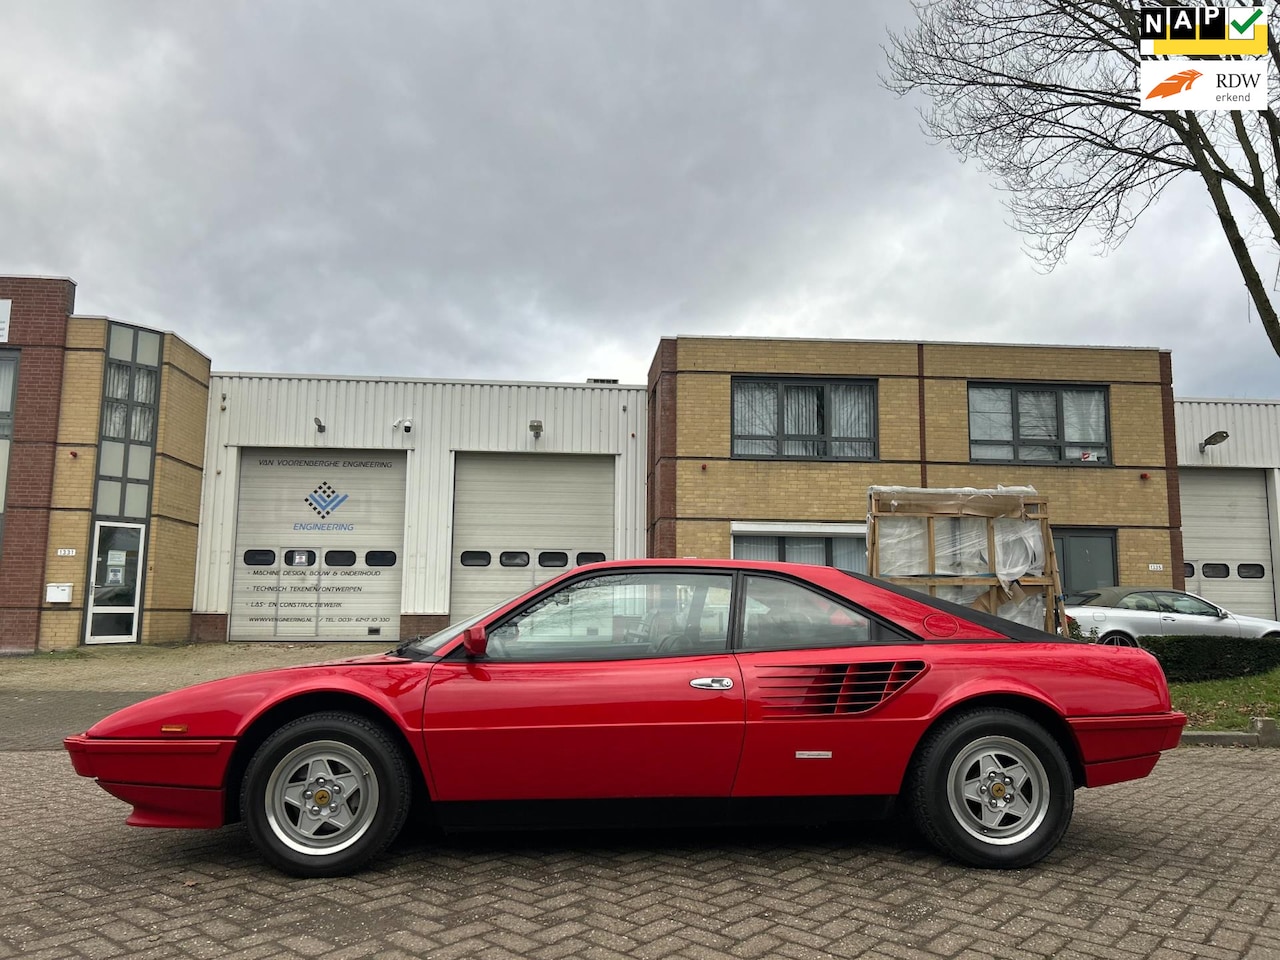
column 38, row 331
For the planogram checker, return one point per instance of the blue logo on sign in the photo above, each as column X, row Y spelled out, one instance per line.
column 324, row 500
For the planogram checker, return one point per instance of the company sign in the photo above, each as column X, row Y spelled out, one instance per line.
column 1202, row 85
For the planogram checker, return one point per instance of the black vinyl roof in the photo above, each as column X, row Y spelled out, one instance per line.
column 1009, row 628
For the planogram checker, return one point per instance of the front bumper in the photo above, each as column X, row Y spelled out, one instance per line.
column 170, row 783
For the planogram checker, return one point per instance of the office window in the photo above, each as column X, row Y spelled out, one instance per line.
column 804, row 419
column 8, row 395
column 846, row 553
column 1038, row 424
column 130, row 401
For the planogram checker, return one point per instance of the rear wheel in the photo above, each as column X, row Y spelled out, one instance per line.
column 325, row 794
column 991, row 788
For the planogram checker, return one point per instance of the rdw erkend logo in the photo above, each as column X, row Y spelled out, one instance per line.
column 1177, row 83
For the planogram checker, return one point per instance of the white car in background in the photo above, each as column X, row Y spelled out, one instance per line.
column 1119, row 615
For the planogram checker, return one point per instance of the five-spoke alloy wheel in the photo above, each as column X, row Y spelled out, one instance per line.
column 992, row 788
column 325, row 793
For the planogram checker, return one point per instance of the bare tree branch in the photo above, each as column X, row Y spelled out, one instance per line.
column 1044, row 95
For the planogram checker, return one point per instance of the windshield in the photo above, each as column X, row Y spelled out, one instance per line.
column 427, row 646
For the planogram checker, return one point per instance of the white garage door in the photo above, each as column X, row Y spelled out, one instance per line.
column 1226, row 540
column 521, row 519
column 319, row 545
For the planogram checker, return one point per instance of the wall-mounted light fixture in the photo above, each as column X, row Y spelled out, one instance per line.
column 319, row 424
column 1213, row 439
column 535, row 427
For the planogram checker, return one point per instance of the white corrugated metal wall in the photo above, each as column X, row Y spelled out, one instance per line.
column 1253, row 447
column 259, row 410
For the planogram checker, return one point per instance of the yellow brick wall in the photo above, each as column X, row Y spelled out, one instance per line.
column 59, row 629
column 74, row 478
column 1136, row 550
column 177, row 491
column 1137, row 425
column 708, row 499
column 703, row 538
column 87, row 332
column 1061, row 364
column 183, row 356
column 830, row 358
column 184, row 406
column 946, row 414
column 703, row 415
column 783, row 490
column 81, row 405
column 171, row 565
column 899, row 402
column 167, row 627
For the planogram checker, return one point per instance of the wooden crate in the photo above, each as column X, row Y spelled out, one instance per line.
column 1015, row 503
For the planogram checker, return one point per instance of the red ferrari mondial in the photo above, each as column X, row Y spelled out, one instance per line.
column 730, row 690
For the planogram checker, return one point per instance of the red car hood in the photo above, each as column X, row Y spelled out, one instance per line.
column 221, row 709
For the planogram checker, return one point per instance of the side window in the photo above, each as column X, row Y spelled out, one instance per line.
column 1185, row 603
column 621, row 616
column 1138, row 601
column 781, row 615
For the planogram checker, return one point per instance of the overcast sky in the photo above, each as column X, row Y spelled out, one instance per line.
column 540, row 190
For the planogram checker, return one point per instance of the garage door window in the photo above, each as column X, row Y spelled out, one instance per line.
column 553, row 558
column 380, row 558
column 300, row 558
column 259, row 558
column 475, row 558
column 589, row 556
column 1250, row 571
column 340, row 558
column 1215, row 571
column 513, row 558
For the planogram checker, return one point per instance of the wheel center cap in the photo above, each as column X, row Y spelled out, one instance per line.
column 997, row 790
column 322, row 797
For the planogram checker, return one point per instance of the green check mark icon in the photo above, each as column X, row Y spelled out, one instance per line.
column 1242, row 27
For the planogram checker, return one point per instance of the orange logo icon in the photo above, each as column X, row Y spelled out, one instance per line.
column 1178, row 83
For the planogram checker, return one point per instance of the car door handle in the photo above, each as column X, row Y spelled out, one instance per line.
column 711, row 683
column 1169, row 619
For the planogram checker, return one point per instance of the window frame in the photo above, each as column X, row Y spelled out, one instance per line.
column 7, row 421
column 1058, row 389
column 780, row 436
column 132, row 407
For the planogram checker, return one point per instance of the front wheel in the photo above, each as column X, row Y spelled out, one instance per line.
column 325, row 794
column 992, row 788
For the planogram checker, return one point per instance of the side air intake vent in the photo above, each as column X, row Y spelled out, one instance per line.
column 833, row 689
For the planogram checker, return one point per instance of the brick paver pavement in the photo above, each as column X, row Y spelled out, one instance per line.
column 1180, row 865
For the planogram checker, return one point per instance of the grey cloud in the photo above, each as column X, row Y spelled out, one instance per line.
column 539, row 191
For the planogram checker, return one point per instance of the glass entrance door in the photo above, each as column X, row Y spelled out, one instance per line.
column 116, row 587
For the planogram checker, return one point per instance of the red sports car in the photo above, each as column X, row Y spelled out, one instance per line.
column 632, row 690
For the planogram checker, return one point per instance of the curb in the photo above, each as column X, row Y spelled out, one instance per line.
column 1262, row 732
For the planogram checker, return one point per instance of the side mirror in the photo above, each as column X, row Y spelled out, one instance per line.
column 1222, row 614
column 475, row 641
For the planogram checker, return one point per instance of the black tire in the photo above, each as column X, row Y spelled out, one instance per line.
column 350, row 764
column 1118, row 639
column 952, row 801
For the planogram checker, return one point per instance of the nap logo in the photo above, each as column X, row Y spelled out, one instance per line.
column 1202, row 31
column 1208, row 85
column 324, row 500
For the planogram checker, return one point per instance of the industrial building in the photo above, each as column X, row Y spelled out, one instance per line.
column 145, row 499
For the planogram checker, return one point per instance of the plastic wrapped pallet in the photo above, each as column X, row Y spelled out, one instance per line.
column 1018, row 582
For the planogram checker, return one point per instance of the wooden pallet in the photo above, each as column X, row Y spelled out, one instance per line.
column 932, row 505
